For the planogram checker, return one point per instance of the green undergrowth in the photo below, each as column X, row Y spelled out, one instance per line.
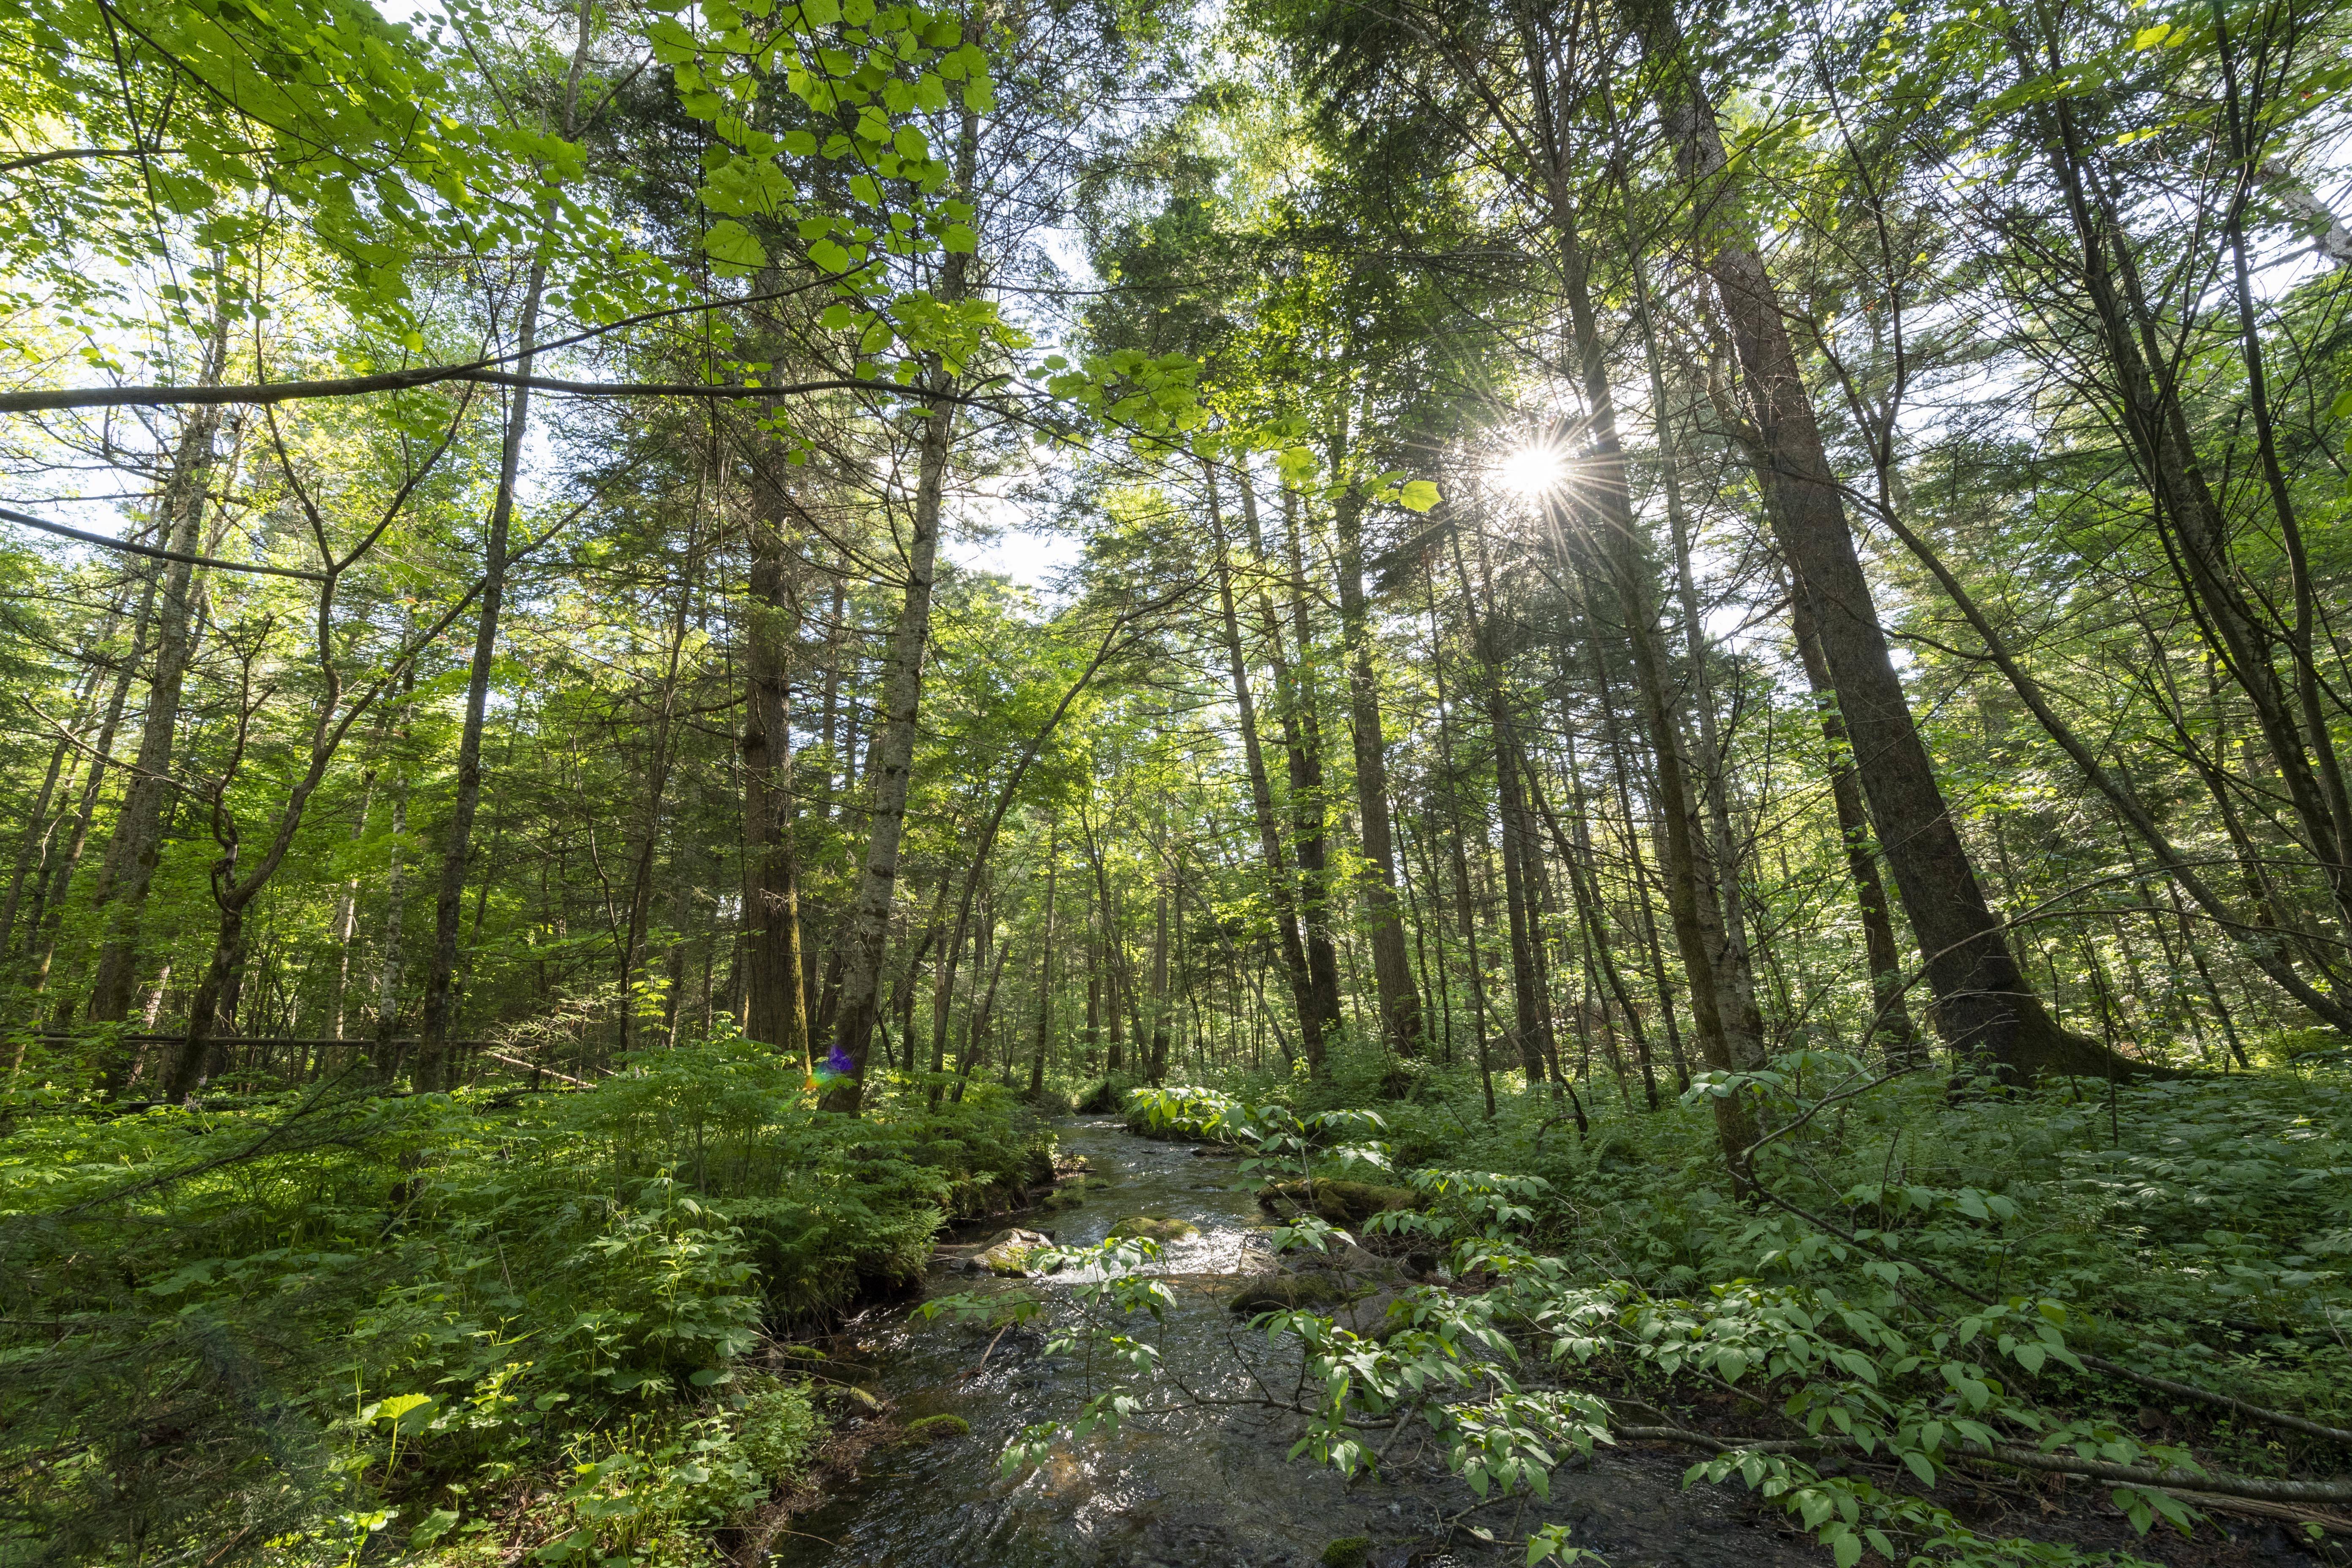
column 335, row 1326
column 1918, row 1281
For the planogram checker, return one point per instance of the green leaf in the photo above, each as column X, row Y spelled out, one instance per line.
column 1418, row 495
column 402, row 1404
column 734, row 247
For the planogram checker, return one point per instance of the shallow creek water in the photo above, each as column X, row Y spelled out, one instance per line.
column 1206, row 1485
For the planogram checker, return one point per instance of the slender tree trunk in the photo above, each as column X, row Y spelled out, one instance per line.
column 385, row 1054
column 132, row 854
column 1465, row 907
column 659, row 765
column 773, row 967
column 1044, row 974
column 1302, row 733
column 50, row 899
column 434, row 1067
column 1281, row 886
column 347, row 899
column 1384, row 926
column 870, row 916
column 1157, row 1069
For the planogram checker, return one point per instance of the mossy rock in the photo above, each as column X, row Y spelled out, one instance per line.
column 1349, row 1551
column 1152, row 1227
column 1339, row 1202
column 1064, row 1197
column 1287, row 1293
column 1008, row 1253
column 936, row 1429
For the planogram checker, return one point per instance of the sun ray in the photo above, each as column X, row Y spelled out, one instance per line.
column 1534, row 469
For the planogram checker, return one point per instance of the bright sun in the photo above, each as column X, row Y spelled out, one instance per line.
column 1532, row 470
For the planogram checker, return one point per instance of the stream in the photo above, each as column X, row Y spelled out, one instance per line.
column 1204, row 1486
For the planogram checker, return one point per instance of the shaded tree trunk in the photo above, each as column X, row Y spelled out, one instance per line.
column 773, row 975
column 1385, row 925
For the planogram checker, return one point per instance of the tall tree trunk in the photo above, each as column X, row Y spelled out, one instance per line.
column 869, row 918
column 1156, row 1068
column 434, row 1066
column 50, row 899
column 347, row 898
column 1985, row 1007
column 658, row 767
column 136, row 847
column 41, row 827
column 1891, row 1027
column 1465, row 908
column 1385, row 925
column 384, row 1055
column 1281, row 887
column 1094, row 978
column 772, row 971
column 1045, row 974
column 1302, row 734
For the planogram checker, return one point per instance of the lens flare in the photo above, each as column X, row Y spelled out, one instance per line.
column 1533, row 469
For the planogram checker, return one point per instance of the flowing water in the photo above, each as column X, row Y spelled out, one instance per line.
column 1204, row 1484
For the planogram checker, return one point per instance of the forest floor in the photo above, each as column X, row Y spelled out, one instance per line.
column 331, row 1325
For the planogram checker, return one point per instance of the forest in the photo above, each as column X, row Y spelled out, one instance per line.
column 1587, row 750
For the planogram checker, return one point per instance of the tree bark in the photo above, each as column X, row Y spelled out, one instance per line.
column 772, row 971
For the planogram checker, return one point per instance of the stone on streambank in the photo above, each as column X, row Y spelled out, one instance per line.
column 935, row 1429
column 1152, row 1227
column 1338, row 1203
column 1288, row 1292
column 1007, row 1253
column 1364, row 1312
column 1351, row 1552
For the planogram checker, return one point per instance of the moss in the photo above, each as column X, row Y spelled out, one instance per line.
column 1008, row 1254
column 1349, row 1552
column 1341, row 1203
column 936, row 1429
column 1152, row 1227
column 1288, row 1292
